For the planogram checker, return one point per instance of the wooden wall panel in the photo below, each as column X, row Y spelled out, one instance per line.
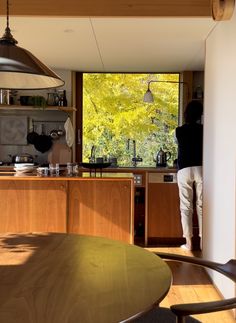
column 108, row 8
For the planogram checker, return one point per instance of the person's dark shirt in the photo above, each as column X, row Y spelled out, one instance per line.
column 190, row 141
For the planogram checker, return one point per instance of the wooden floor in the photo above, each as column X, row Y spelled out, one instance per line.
column 192, row 284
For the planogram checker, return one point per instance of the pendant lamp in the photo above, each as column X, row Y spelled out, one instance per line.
column 19, row 69
column 148, row 96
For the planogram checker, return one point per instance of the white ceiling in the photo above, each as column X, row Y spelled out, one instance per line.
column 114, row 44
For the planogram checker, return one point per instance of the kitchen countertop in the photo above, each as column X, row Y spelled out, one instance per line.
column 137, row 169
column 82, row 176
column 5, row 169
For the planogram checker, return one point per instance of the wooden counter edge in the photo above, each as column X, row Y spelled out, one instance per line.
column 107, row 177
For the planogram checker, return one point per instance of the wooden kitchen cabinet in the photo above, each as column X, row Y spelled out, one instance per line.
column 101, row 208
column 28, row 206
column 156, row 206
column 164, row 222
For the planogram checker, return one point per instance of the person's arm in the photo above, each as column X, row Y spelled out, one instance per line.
column 175, row 137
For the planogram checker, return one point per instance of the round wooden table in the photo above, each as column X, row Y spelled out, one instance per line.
column 65, row 278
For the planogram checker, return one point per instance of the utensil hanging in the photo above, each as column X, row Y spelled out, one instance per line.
column 54, row 135
column 32, row 135
column 70, row 135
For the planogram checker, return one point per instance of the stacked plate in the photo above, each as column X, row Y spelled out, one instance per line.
column 21, row 169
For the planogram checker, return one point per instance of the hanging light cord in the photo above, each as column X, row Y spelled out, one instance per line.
column 8, row 14
column 7, row 38
column 7, row 30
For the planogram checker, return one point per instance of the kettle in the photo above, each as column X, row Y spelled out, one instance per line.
column 162, row 158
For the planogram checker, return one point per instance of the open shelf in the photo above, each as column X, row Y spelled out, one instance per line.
column 48, row 108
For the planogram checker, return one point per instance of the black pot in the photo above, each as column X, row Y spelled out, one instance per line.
column 23, row 158
column 24, row 99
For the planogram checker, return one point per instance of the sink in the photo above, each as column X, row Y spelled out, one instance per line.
column 136, row 167
column 144, row 167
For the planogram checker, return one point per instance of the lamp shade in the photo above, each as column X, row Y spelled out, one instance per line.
column 148, row 97
column 19, row 69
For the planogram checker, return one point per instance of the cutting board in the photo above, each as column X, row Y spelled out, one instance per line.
column 60, row 153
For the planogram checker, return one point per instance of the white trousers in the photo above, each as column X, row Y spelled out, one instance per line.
column 188, row 178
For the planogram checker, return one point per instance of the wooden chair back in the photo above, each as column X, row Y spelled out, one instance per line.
column 184, row 310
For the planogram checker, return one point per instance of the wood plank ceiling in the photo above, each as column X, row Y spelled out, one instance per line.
column 109, row 8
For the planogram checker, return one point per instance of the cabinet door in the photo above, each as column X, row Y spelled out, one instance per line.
column 163, row 210
column 101, row 208
column 30, row 206
column 49, row 206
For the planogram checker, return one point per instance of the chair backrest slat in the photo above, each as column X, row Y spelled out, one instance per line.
column 228, row 269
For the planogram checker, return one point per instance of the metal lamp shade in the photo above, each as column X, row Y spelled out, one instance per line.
column 19, row 69
column 148, row 97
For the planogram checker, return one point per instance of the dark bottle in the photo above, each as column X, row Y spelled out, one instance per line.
column 63, row 100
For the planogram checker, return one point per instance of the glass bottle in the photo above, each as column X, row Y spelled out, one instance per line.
column 62, row 99
column 51, row 99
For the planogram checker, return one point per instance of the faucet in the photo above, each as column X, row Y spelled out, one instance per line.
column 92, row 154
column 135, row 159
column 134, row 154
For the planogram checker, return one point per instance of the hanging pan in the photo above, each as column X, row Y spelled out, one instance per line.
column 31, row 137
column 43, row 142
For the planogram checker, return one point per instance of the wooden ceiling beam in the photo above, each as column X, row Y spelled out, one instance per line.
column 108, row 8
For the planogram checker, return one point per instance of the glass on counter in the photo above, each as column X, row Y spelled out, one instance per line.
column 72, row 169
column 54, row 169
column 75, row 170
column 42, row 171
column 69, row 169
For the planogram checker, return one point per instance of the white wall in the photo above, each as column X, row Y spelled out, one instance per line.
column 220, row 148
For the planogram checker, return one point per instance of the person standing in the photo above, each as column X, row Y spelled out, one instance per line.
column 189, row 138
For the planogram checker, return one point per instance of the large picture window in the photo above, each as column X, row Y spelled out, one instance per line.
column 115, row 116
